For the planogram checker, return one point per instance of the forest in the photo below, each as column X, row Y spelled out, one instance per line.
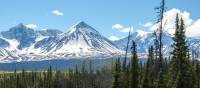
column 178, row 70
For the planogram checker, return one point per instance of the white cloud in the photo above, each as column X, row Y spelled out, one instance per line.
column 117, row 26
column 31, row 25
column 44, row 29
column 113, row 38
column 192, row 26
column 57, row 13
column 126, row 30
column 169, row 19
column 120, row 28
column 194, row 29
column 148, row 24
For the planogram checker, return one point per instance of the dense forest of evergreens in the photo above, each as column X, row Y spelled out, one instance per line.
column 176, row 71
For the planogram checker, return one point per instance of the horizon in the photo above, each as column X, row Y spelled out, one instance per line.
column 112, row 20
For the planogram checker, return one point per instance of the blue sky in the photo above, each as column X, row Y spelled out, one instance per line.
column 101, row 14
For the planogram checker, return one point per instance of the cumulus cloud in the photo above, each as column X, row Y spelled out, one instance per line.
column 113, row 38
column 148, row 24
column 169, row 19
column 44, row 29
column 194, row 29
column 192, row 26
column 31, row 25
column 57, row 13
column 120, row 28
column 117, row 26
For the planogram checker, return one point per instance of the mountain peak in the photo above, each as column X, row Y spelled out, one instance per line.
column 82, row 24
column 80, row 39
column 82, row 27
column 21, row 26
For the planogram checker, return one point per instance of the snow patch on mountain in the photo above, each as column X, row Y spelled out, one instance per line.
column 21, row 43
column 145, row 40
column 80, row 40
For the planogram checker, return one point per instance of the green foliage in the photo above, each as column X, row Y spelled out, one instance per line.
column 134, row 69
column 117, row 75
column 72, row 78
column 148, row 74
column 180, row 71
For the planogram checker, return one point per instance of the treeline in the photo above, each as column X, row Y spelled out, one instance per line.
column 73, row 78
column 177, row 71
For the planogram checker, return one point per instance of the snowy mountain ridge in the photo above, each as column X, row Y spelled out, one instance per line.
column 81, row 40
column 145, row 40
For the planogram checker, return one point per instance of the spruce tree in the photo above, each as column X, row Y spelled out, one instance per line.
column 117, row 75
column 134, row 73
column 175, row 61
column 49, row 78
column 180, row 71
column 197, row 74
column 148, row 74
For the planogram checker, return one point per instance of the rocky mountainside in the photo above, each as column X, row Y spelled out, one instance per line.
column 81, row 40
column 21, row 43
column 146, row 39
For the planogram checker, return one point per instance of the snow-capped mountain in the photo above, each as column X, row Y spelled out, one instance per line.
column 21, row 43
column 24, row 35
column 146, row 39
column 143, row 40
column 7, row 56
column 49, row 32
column 4, row 43
column 81, row 40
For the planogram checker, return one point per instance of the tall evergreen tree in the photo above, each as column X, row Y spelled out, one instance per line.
column 49, row 78
column 180, row 73
column 148, row 74
column 134, row 73
column 197, row 74
column 117, row 75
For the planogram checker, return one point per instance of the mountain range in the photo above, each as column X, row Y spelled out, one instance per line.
column 146, row 39
column 21, row 43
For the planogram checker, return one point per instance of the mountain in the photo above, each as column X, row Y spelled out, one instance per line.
column 21, row 37
column 146, row 39
column 24, row 35
column 49, row 32
column 80, row 40
column 4, row 43
column 7, row 56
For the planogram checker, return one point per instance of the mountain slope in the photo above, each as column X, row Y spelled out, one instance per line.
column 81, row 39
column 7, row 56
column 25, row 36
column 49, row 32
column 4, row 43
column 146, row 40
